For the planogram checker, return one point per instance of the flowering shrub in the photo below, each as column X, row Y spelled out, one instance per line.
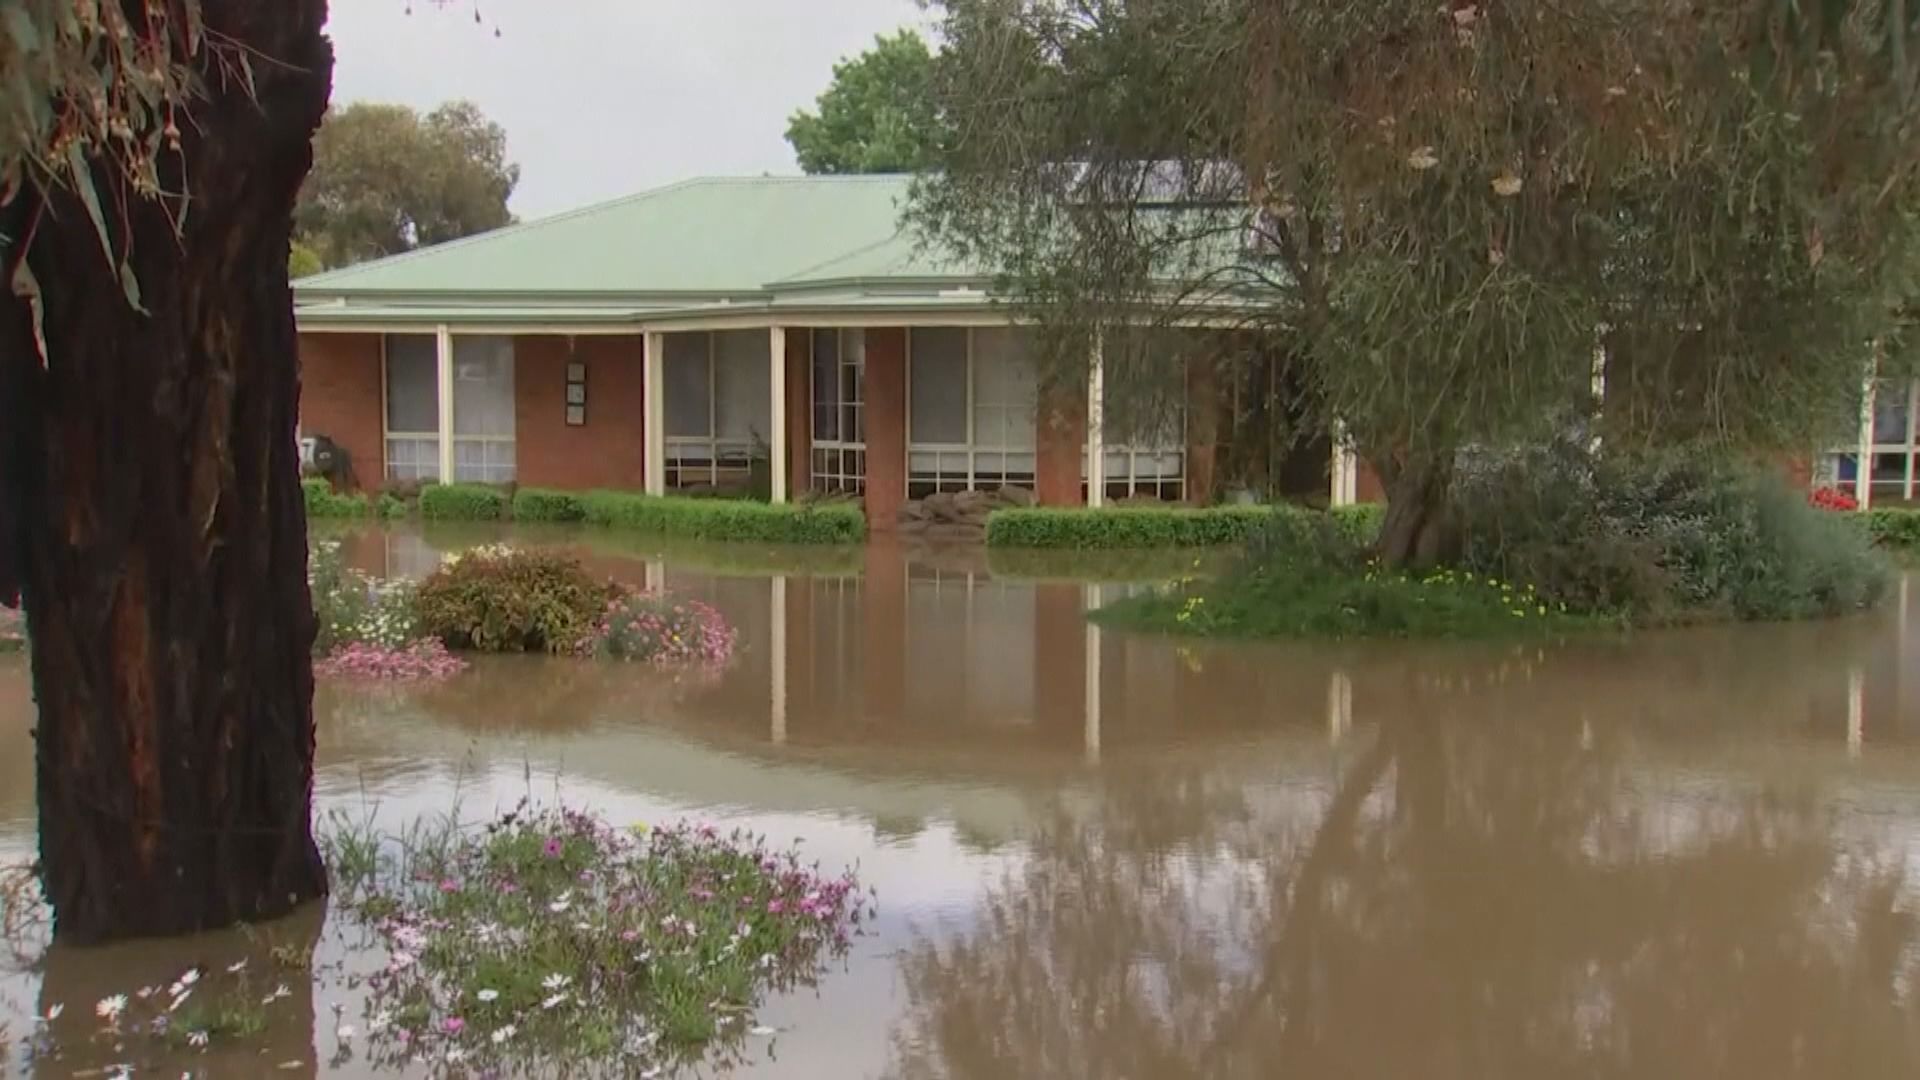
column 500, row 599
column 352, row 607
column 426, row 659
column 655, row 627
column 1832, row 498
column 551, row 941
column 13, row 630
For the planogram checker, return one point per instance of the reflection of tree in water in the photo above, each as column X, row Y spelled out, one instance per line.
column 1475, row 896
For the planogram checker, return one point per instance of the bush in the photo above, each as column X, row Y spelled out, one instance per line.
column 390, row 507
column 352, row 608
column 463, row 502
column 497, row 599
column 537, row 504
column 727, row 519
column 1126, row 527
column 659, row 629
column 1361, row 521
column 1663, row 537
column 1896, row 530
column 324, row 502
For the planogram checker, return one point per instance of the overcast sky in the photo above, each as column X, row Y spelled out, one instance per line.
column 602, row 98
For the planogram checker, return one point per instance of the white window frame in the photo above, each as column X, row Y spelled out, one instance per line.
column 491, row 473
column 1122, row 478
column 847, row 457
column 966, row 477
column 1826, row 472
column 688, row 456
column 422, row 474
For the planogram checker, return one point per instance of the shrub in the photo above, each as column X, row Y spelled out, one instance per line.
column 1663, row 536
column 1898, row 530
column 727, row 519
column 324, row 502
column 1126, row 527
column 498, row 599
column 537, row 504
column 662, row 630
column 390, row 507
column 1361, row 521
column 1832, row 498
column 352, row 608
column 463, row 502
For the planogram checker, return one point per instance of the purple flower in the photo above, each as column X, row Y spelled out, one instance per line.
column 448, row 885
column 455, row 1025
column 553, row 847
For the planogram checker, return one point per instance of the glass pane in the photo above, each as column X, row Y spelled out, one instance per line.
column 743, row 380
column 1005, row 389
column 483, row 386
column 826, row 366
column 689, row 403
column 413, row 391
column 1890, row 419
column 938, row 387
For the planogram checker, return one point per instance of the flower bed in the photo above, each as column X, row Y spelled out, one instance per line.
column 551, row 940
column 415, row 661
column 657, row 628
column 1830, row 498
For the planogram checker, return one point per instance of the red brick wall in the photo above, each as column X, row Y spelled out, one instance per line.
column 340, row 397
column 886, row 409
column 1060, row 440
column 799, row 411
column 1203, row 429
column 606, row 452
column 1368, row 485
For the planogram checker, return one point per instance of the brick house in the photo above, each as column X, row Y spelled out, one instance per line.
column 715, row 333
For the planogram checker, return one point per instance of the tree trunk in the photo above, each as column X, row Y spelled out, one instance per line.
column 1419, row 529
column 151, row 517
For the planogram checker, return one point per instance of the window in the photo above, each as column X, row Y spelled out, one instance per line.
column 972, row 395
column 718, row 408
column 839, row 374
column 1147, row 459
column 413, row 407
column 1894, row 464
column 483, row 437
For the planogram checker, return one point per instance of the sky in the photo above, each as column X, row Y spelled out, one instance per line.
column 603, row 98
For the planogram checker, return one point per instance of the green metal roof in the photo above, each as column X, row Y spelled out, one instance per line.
column 688, row 245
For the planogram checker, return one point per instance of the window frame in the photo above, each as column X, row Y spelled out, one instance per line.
column 922, row 482
column 838, row 465
column 417, row 472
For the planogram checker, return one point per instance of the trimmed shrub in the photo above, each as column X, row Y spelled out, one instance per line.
column 1126, row 527
column 324, row 502
column 1361, row 521
column 726, row 519
column 498, row 599
column 539, row 504
column 1896, row 530
column 463, row 502
column 390, row 507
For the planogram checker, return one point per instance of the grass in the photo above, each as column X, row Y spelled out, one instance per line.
column 1367, row 603
column 549, row 940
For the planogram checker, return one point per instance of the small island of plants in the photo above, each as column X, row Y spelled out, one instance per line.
column 1549, row 541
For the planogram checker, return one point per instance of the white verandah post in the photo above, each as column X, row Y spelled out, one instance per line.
column 653, row 422
column 1346, row 469
column 777, row 420
column 1863, row 464
column 443, row 373
column 1096, row 438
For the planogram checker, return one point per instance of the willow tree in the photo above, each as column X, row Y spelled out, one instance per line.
column 150, row 514
column 1442, row 214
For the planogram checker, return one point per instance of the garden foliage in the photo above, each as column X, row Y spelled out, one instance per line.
column 463, row 502
column 499, row 599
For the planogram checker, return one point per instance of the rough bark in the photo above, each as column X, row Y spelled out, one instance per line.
column 1419, row 529
column 151, row 519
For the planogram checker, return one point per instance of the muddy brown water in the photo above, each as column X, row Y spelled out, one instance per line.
column 1683, row 854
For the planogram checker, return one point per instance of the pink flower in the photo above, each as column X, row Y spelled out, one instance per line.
column 553, row 847
column 449, row 886
column 455, row 1025
column 776, row 906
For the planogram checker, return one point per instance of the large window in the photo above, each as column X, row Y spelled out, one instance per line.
column 839, row 411
column 413, row 408
column 972, row 395
column 1144, row 406
column 1894, row 464
column 719, row 406
column 483, row 439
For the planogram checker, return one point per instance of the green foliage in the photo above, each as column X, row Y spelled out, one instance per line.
column 727, row 519
column 537, row 504
column 1663, row 537
column 498, row 599
column 1895, row 530
column 303, row 261
column 878, row 116
column 351, row 607
column 390, row 507
column 324, row 502
column 1360, row 522
column 1126, row 527
column 387, row 180
column 462, row 502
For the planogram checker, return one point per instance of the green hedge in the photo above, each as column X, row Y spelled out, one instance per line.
column 324, row 502
column 1361, row 521
column 463, row 502
column 541, row 504
column 1898, row 530
column 726, row 519
column 1124, row 527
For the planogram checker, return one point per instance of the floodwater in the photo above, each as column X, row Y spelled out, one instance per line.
column 1682, row 854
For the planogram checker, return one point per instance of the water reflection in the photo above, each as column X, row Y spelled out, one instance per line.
column 1677, row 854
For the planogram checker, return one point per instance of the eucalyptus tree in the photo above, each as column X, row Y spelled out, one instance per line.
column 1440, row 215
